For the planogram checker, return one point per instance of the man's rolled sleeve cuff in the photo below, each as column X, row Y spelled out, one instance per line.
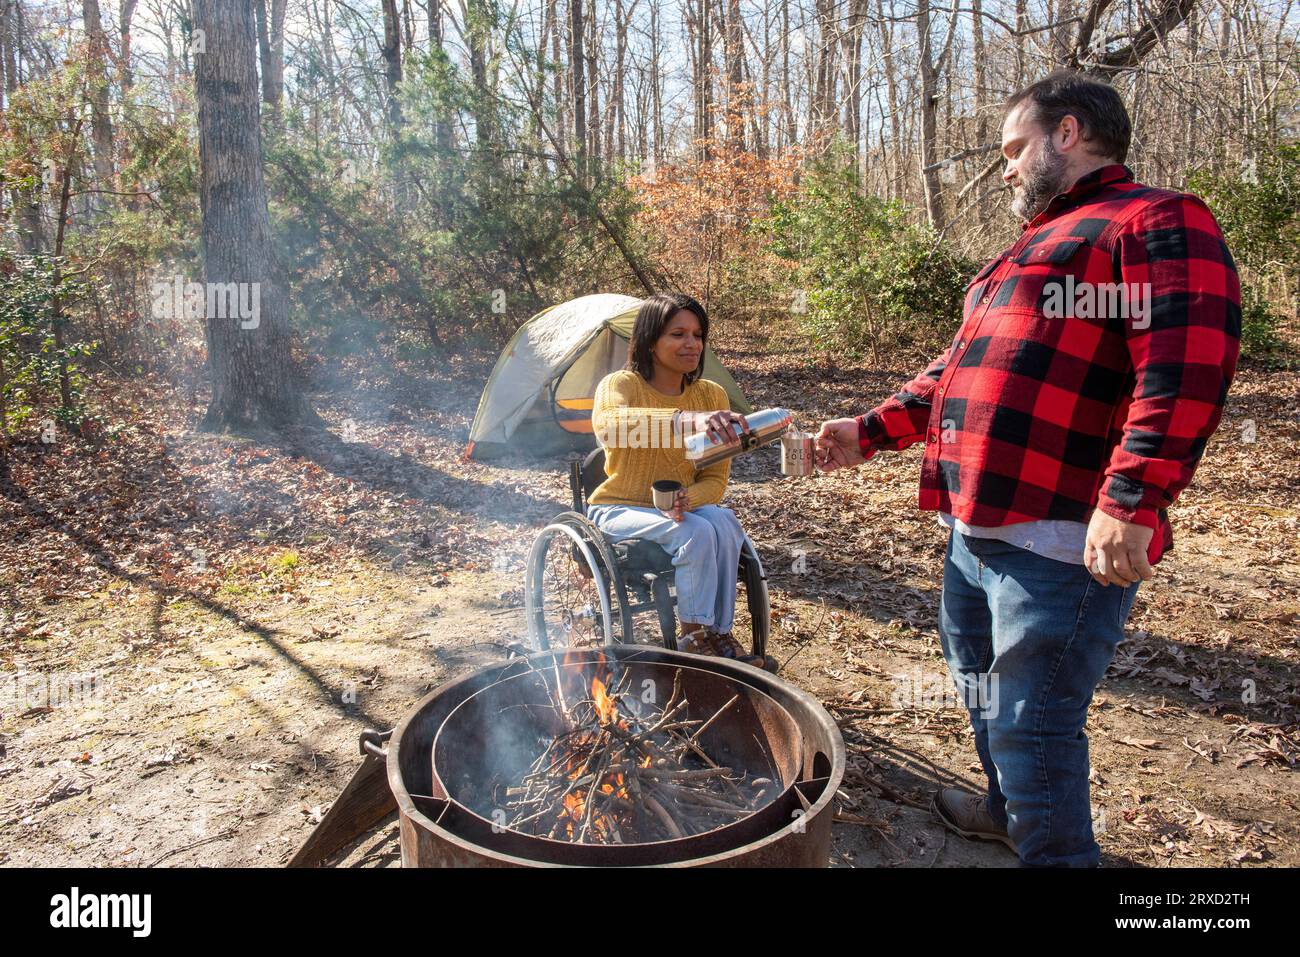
column 1147, row 515
column 864, row 441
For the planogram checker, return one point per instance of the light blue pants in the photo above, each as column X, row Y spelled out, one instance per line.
column 705, row 549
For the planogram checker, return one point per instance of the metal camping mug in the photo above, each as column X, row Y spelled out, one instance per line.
column 664, row 493
column 797, row 453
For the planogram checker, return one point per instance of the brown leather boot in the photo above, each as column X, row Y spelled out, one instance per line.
column 697, row 642
column 726, row 645
column 967, row 814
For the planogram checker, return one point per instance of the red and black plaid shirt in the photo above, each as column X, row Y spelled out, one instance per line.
column 1030, row 417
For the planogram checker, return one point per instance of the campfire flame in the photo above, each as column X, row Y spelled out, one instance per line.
column 616, row 777
column 612, row 783
column 605, row 706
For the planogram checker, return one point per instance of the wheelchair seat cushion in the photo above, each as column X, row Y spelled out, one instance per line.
column 639, row 555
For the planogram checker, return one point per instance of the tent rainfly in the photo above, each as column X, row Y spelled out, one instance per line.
column 540, row 393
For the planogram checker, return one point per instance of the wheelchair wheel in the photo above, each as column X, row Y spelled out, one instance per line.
column 754, row 581
column 573, row 594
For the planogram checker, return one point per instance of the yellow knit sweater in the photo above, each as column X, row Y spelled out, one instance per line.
column 633, row 421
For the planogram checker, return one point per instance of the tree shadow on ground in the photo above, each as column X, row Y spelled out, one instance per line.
column 400, row 474
column 163, row 591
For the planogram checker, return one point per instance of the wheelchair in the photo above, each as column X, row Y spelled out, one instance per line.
column 583, row 590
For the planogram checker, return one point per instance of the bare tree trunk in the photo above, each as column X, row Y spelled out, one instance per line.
column 642, row 93
column 620, row 119
column 1022, row 19
column 593, row 87
column 891, row 81
column 9, row 66
column 1191, row 122
column 270, row 43
column 929, row 102
column 125, row 79
column 539, row 78
column 441, row 128
column 392, row 53
column 734, row 51
column 558, row 78
column 58, row 319
column 656, row 81
column 791, row 134
column 578, row 89
column 822, row 106
column 752, row 106
column 763, row 119
column 8, row 47
column 852, row 41
column 478, row 30
column 101, row 126
column 1060, row 34
column 254, row 385
column 977, row 54
column 703, row 79
column 26, row 201
column 332, row 64
column 125, row 14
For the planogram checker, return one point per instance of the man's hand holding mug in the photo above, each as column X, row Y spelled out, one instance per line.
column 836, row 446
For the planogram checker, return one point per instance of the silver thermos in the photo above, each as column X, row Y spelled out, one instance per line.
column 765, row 427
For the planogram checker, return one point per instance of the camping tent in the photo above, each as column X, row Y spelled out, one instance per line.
column 540, row 393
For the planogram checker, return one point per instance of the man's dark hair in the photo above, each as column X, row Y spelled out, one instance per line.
column 1103, row 120
column 651, row 319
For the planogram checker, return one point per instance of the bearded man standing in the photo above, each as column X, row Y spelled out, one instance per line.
column 1072, row 407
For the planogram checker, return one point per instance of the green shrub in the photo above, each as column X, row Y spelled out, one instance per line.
column 32, row 362
column 1258, row 209
column 868, row 278
column 1259, row 325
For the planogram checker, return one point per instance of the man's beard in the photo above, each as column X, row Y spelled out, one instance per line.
column 1040, row 183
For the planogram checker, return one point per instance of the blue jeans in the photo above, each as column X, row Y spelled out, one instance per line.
column 705, row 549
column 1027, row 640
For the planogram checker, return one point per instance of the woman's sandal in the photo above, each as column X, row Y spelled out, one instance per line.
column 726, row 646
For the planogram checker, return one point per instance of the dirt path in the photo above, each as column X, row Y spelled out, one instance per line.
column 225, row 617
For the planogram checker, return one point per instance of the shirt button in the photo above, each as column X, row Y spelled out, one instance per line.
column 985, row 300
column 941, row 390
column 962, row 344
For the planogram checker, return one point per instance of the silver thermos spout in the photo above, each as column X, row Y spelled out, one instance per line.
column 765, row 427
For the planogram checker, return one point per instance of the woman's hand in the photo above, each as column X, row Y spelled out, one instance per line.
column 678, row 512
column 718, row 424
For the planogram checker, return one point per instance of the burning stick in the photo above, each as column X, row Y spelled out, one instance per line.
column 619, row 776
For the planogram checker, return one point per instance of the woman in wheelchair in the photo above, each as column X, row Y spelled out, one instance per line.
column 641, row 415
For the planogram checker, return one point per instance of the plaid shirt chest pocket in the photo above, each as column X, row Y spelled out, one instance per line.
column 1044, row 276
column 980, row 284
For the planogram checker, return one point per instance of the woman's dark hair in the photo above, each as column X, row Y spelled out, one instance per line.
column 1097, row 106
column 651, row 319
